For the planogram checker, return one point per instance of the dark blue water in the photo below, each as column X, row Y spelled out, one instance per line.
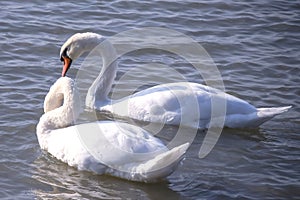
column 254, row 44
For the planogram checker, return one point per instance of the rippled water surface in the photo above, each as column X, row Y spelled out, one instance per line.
column 254, row 44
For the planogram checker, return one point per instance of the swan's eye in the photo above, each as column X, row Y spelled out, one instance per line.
column 64, row 54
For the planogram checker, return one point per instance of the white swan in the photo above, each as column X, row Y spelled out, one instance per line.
column 167, row 103
column 104, row 147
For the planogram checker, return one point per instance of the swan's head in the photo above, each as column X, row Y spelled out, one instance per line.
column 76, row 45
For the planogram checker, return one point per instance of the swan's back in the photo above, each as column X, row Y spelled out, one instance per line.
column 169, row 102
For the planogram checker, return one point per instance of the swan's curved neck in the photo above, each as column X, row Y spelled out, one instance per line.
column 60, row 116
column 101, row 87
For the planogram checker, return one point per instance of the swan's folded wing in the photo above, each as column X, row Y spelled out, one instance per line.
column 117, row 143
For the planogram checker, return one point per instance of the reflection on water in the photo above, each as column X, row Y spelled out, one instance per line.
column 240, row 154
column 57, row 180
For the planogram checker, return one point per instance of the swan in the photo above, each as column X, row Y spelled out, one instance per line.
column 171, row 103
column 103, row 147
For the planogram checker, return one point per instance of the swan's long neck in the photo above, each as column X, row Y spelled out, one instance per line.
column 102, row 85
column 62, row 116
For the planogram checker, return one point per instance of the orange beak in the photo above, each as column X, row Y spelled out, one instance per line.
column 67, row 64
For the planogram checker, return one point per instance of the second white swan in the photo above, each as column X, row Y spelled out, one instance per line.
column 184, row 103
column 104, row 147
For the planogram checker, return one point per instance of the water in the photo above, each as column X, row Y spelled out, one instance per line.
column 255, row 45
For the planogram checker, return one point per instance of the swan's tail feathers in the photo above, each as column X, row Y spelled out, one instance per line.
column 271, row 112
column 162, row 165
column 264, row 114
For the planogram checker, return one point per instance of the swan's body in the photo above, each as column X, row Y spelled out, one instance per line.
column 104, row 147
column 167, row 103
